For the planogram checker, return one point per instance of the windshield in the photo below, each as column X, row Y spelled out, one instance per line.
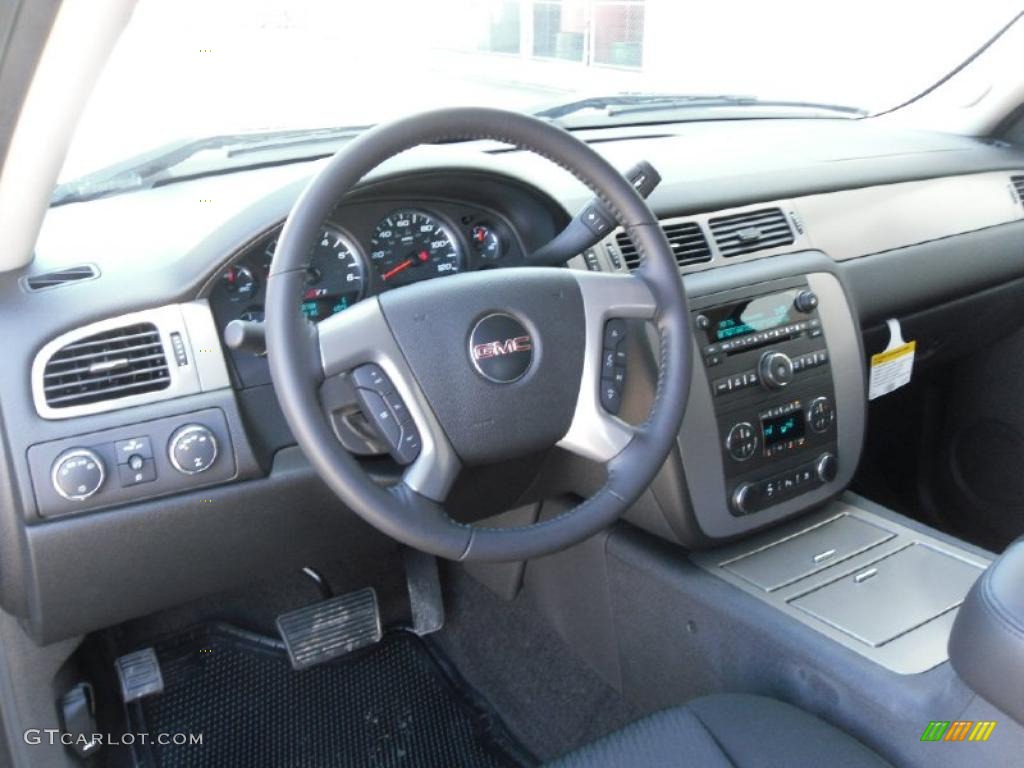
column 188, row 69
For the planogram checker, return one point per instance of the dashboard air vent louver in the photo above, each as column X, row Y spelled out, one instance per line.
column 751, row 231
column 61, row 276
column 1018, row 187
column 124, row 361
column 686, row 238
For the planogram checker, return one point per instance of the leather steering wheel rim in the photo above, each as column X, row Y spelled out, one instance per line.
column 302, row 355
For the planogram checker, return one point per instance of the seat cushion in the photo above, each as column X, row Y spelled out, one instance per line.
column 727, row 730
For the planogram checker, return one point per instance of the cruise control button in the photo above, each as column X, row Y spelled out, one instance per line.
column 611, row 396
column 614, row 332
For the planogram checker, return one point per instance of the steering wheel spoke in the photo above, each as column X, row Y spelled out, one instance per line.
column 358, row 343
column 596, row 432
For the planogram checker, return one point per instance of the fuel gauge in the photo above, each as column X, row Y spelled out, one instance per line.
column 486, row 242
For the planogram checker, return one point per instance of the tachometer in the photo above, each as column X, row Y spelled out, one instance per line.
column 335, row 276
column 409, row 246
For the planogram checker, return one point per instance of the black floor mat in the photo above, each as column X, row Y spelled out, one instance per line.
column 391, row 705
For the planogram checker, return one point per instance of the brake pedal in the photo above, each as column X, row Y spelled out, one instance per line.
column 331, row 628
column 139, row 674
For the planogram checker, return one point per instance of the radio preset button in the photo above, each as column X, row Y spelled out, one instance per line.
column 741, row 441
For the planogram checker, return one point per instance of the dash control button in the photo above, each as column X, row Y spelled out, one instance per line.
column 134, row 446
column 178, row 344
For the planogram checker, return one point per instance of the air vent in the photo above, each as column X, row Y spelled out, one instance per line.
column 61, row 277
column 751, row 231
column 124, row 361
column 1018, row 187
column 686, row 238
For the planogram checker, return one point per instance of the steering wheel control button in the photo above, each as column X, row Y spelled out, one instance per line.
column 135, row 446
column 137, row 470
column 385, row 409
column 611, row 396
column 821, row 414
column 373, row 378
column 776, row 370
column 501, row 348
column 741, row 441
column 78, row 474
column 192, row 449
column 614, row 333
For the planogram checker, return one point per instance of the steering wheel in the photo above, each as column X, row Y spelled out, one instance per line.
column 482, row 366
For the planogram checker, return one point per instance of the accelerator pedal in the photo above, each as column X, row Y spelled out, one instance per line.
column 331, row 628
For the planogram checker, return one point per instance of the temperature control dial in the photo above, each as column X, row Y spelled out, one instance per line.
column 192, row 449
column 78, row 474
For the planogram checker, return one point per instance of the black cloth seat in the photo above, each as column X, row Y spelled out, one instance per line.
column 727, row 730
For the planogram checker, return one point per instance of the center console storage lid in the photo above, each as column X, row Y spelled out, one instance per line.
column 808, row 552
column 892, row 596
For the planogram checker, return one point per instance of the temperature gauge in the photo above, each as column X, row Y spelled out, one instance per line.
column 486, row 242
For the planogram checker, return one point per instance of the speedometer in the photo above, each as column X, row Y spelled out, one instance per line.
column 409, row 246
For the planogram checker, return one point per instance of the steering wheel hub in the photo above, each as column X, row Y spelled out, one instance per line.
column 501, row 348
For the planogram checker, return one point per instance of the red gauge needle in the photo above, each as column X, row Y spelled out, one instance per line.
column 395, row 270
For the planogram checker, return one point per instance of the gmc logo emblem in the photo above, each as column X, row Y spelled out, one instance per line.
column 499, row 348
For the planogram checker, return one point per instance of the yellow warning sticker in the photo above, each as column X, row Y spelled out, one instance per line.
column 891, row 369
column 894, row 354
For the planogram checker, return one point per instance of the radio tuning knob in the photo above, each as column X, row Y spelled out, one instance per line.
column 806, row 301
column 776, row 370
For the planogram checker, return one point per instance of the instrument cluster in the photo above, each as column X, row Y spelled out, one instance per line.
column 369, row 248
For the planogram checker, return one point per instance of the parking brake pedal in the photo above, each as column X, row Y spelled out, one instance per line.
column 331, row 628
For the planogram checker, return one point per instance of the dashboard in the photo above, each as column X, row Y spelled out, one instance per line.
column 876, row 222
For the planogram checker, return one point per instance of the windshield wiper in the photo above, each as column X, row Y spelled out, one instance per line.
column 633, row 104
column 198, row 157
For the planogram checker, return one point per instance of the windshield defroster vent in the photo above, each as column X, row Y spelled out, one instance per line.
column 751, row 231
column 124, row 361
column 686, row 238
column 61, row 277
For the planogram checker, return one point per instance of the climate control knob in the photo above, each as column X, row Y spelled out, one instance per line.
column 776, row 370
column 192, row 449
column 77, row 474
column 742, row 499
column 741, row 442
column 826, row 467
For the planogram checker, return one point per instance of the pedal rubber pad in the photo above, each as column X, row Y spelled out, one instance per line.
column 331, row 628
column 139, row 673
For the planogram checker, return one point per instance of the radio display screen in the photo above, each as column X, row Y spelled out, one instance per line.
column 780, row 429
column 761, row 313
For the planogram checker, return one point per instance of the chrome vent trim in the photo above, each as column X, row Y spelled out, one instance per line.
column 107, row 365
column 129, row 360
column 687, row 239
column 60, row 277
column 750, row 231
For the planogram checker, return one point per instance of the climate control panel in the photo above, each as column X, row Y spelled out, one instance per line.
column 130, row 463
